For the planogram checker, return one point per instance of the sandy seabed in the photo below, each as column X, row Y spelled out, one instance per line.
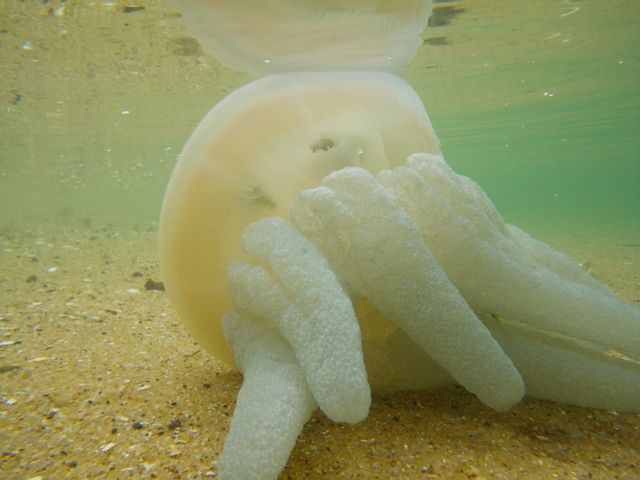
column 100, row 380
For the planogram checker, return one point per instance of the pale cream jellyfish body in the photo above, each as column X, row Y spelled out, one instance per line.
column 251, row 156
column 411, row 255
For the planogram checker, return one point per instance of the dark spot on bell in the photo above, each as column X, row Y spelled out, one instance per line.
column 257, row 195
column 323, row 144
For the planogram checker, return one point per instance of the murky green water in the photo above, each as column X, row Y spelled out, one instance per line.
column 538, row 101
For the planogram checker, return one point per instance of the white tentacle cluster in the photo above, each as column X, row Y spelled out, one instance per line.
column 414, row 242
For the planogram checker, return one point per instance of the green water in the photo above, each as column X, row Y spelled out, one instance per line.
column 538, row 101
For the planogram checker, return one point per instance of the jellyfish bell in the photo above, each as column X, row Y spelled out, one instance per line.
column 254, row 153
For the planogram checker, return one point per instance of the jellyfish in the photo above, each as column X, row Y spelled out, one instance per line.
column 313, row 236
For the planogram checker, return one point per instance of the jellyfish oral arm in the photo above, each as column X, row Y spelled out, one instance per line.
column 273, row 405
column 303, row 298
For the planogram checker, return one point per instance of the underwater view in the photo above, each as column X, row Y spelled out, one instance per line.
column 538, row 102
